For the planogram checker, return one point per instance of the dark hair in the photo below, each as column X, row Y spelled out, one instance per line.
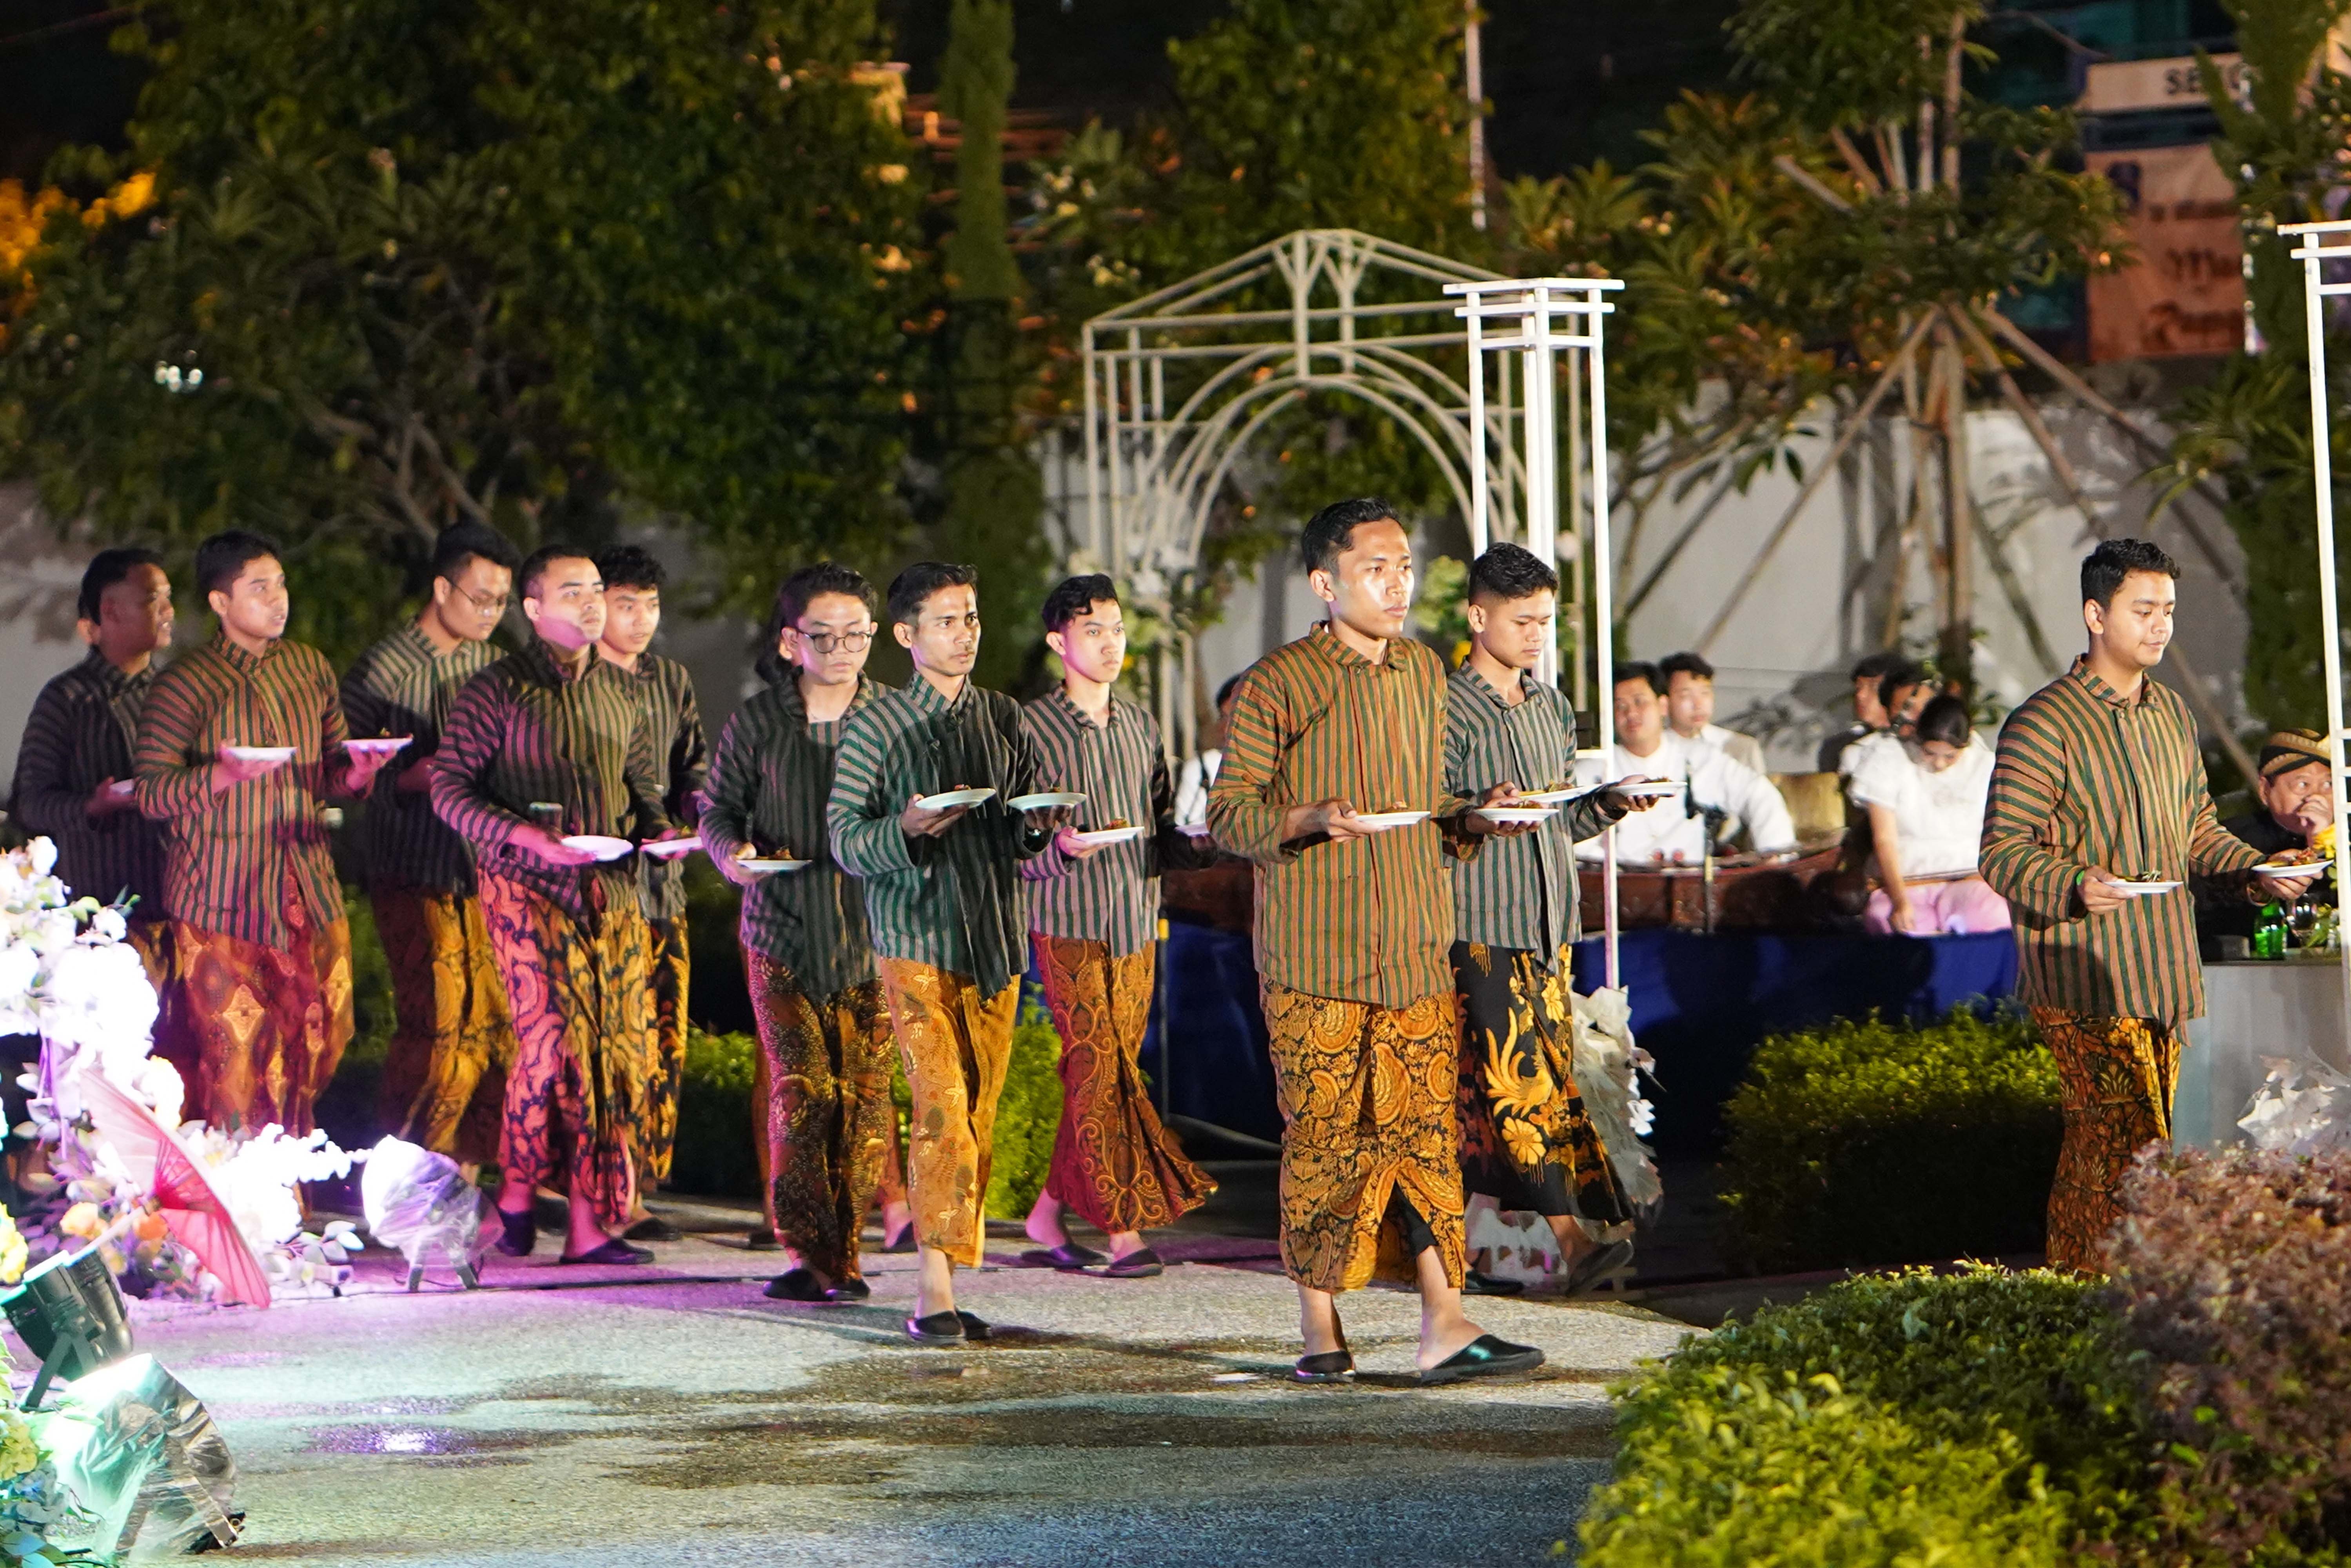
column 461, row 542
column 221, row 558
column 1904, row 673
column 1327, row 531
column 1674, row 664
column 793, row 596
column 1509, row 572
column 1074, row 596
column 1640, row 670
column 107, row 568
column 534, row 565
column 911, row 587
column 1946, row 718
column 1225, row 692
column 2103, row 568
column 1872, row 667
column 629, row 566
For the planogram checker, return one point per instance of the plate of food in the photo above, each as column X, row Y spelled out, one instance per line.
column 2143, row 887
column 1550, row 794
column 1111, row 833
column 258, row 753
column 768, row 865
column 2293, row 868
column 1046, row 801
column 1516, row 812
column 1655, row 790
column 947, row 799
column 601, row 845
column 670, row 848
column 1381, row 822
column 385, row 745
column 122, row 788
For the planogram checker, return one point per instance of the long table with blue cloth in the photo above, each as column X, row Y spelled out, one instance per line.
column 1701, row 1003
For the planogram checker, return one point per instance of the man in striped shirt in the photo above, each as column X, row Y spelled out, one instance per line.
column 545, row 747
column 240, row 745
column 1332, row 782
column 822, row 1095
column 1527, row 1141
column 632, row 585
column 1094, row 914
column 943, row 904
column 2099, row 811
column 444, row 1075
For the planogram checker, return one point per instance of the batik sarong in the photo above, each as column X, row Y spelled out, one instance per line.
column 173, row 1037
column 1526, row 1140
column 444, row 1073
column 672, row 968
column 268, row 1024
column 955, row 1045
column 2114, row 1079
column 1113, row 1161
column 829, row 1115
column 1371, row 1168
column 578, row 993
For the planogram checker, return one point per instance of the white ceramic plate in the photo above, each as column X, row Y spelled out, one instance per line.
column 2142, row 889
column 387, row 744
column 2313, row 868
column 954, row 798
column 1045, row 801
column 258, row 753
column 1109, row 835
column 123, row 787
column 1193, row 829
column 597, row 845
column 1381, row 822
column 1517, row 813
column 1550, row 797
column 670, row 848
column 1651, row 791
column 770, row 868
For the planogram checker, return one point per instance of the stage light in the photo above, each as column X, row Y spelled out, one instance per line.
column 145, row 1464
column 68, row 1311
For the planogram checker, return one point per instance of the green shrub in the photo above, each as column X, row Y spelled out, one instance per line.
column 715, row 1154
column 1873, row 1143
column 1028, row 1115
column 351, row 1107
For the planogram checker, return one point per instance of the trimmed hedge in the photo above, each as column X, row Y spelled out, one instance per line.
column 1871, row 1141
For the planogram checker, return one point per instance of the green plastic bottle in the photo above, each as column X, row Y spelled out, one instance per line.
column 2269, row 931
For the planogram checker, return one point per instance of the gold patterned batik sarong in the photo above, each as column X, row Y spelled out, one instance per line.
column 828, row 1117
column 671, row 975
column 1526, row 1140
column 955, row 1045
column 268, row 1024
column 1113, row 1161
column 444, row 1074
column 582, row 1017
column 1367, row 1106
column 2115, row 1078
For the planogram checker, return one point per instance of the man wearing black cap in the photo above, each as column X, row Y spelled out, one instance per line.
column 2297, row 801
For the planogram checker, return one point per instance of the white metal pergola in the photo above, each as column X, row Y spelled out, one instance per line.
column 2320, row 243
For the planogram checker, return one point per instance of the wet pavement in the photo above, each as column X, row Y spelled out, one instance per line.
column 673, row 1416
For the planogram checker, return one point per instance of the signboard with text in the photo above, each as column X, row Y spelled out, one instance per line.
column 2186, row 293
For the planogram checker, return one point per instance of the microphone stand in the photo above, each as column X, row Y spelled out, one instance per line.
column 1715, row 816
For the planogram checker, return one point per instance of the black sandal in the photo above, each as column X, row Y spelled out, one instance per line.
column 520, row 1234
column 851, row 1288
column 939, row 1328
column 795, row 1285
column 1330, row 1366
column 1142, row 1263
column 614, row 1250
column 1473, row 1284
column 1487, row 1355
column 1068, row 1257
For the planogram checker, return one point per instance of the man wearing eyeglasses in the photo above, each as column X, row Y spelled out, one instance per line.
column 453, row 1043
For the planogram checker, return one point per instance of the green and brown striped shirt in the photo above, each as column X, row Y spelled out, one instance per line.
column 1520, row 891
column 234, row 861
column 1112, row 895
column 404, row 685
column 79, row 735
column 527, row 731
column 2084, row 778
column 683, row 749
column 1370, row 920
column 952, row 901
column 768, row 783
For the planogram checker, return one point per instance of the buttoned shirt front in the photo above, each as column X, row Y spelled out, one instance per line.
column 681, row 750
column 80, row 734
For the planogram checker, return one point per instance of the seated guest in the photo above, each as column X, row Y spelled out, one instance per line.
column 2297, row 801
column 1925, row 803
column 1690, row 709
column 1199, row 772
column 1869, row 713
column 1675, row 832
column 1902, row 691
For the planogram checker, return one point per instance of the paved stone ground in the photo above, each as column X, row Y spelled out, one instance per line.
column 671, row 1415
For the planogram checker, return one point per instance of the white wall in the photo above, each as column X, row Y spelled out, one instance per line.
column 37, row 613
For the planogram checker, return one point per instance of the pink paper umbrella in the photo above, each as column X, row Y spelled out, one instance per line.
column 193, row 1208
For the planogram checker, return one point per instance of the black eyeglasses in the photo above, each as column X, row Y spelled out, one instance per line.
column 826, row 641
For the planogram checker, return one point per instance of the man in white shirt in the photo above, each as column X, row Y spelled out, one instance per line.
column 1689, row 710
column 1199, row 772
column 1645, row 747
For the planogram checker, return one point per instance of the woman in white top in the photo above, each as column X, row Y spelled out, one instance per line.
column 1925, row 803
column 1199, row 772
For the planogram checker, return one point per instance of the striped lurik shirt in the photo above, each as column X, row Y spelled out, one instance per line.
column 683, row 749
column 2084, row 778
column 527, row 731
column 1518, row 892
column 1370, row 920
column 768, row 783
column 404, row 685
column 79, row 735
column 952, row 901
column 1112, row 895
column 233, row 861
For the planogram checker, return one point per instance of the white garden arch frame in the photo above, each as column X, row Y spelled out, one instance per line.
column 2320, row 243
